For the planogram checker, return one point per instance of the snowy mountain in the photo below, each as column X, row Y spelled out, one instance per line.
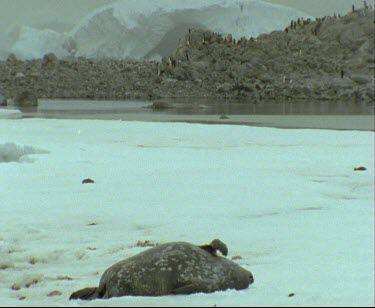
column 142, row 29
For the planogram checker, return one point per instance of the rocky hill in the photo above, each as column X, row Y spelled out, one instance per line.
column 330, row 58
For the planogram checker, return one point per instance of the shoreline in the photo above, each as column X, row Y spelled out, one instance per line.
column 336, row 122
column 295, row 121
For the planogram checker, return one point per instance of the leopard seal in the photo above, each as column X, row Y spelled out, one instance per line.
column 171, row 268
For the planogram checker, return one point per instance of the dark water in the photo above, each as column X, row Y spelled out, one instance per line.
column 298, row 114
column 63, row 108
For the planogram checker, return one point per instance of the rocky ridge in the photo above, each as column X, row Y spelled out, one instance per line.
column 330, row 58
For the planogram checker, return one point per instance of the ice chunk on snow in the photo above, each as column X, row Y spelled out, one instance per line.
column 11, row 152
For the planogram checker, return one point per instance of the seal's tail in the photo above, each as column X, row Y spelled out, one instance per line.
column 85, row 294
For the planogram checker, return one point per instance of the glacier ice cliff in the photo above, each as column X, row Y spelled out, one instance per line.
column 141, row 29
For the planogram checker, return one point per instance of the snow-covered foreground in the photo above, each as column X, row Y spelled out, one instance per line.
column 287, row 201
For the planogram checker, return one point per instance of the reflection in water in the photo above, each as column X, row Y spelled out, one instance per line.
column 68, row 108
column 32, row 109
column 290, row 114
column 271, row 108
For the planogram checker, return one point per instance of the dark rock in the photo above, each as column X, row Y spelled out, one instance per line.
column 360, row 168
column 88, row 181
column 180, row 74
column 11, row 59
column 26, row 99
column 49, row 59
column 160, row 105
column 3, row 101
column 54, row 293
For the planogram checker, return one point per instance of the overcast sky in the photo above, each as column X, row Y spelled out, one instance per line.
column 67, row 12
column 320, row 8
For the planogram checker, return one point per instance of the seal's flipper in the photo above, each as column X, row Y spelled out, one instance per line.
column 188, row 289
column 216, row 244
column 84, row 294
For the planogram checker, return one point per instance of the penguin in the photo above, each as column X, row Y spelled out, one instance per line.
column 342, row 73
column 158, row 68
